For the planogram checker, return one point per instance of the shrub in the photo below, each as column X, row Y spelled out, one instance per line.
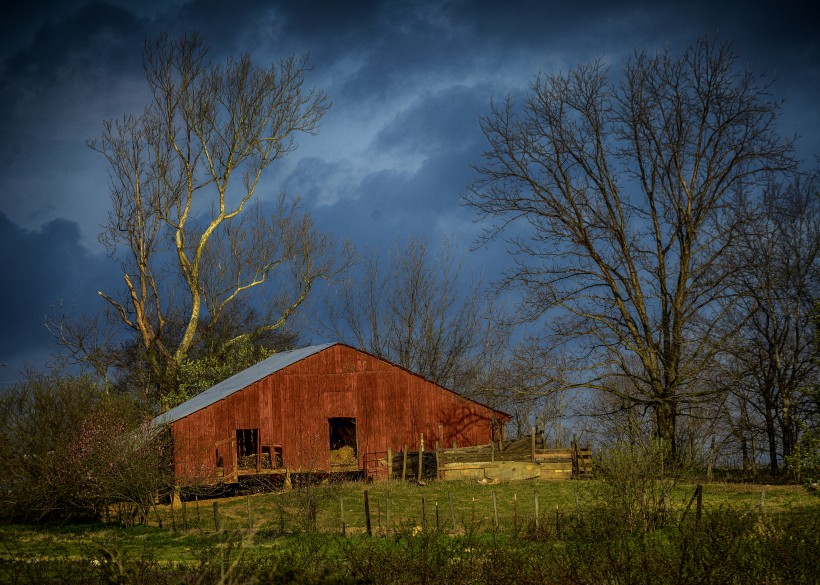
column 804, row 463
column 72, row 451
column 635, row 493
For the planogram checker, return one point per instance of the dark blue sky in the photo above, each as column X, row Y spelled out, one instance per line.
column 408, row 82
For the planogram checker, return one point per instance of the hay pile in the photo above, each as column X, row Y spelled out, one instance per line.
column 343, row 456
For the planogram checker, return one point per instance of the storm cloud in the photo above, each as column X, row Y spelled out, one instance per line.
column 408, row 82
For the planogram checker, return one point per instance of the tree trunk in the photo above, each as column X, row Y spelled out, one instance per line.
column 787, row 429
column 771, row 436
column 665, row 420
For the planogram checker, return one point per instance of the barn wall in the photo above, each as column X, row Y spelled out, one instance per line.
column 392, row 407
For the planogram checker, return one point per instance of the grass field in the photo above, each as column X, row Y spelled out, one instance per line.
column 491, row 535
column 410, row 507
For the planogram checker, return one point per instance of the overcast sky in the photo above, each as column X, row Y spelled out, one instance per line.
column 408, row 82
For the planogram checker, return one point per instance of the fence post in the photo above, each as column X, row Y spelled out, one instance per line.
column 389, row 463
column 387, row 512
column 404, row 464
column 342, row 513
column 695, row 497
column 452, row 511
column 367, row 513
column 535, row 492
column 532, row 444
column 421, row 455
column 576, row 459
column 198, row 516
column 216, row 517
column 495, row 511
column 492, row 440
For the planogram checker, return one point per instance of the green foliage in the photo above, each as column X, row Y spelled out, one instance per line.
column 637, row 485
column 36, row 418
column 733, row 544
column 805, row 461
column 727, row 545
column 199, row 374
column 72, row 451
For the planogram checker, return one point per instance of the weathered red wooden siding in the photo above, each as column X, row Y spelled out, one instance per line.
column 291, row 408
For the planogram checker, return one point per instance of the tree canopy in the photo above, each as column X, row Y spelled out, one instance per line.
column 615, row 192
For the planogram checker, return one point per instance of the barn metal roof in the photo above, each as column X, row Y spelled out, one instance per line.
column 237, row 382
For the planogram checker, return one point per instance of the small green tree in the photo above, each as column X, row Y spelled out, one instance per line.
column 804, row 463
column 111, row 464
column 199, row 374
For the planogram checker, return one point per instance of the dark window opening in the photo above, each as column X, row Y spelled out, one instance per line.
column 247, row 448
column 343, row 449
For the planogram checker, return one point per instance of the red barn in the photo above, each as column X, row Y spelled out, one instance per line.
column 322, row 408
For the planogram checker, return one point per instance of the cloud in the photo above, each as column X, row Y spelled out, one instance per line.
column 94, row 39
column 43, row 269
column 408, row 81
column 445, row 120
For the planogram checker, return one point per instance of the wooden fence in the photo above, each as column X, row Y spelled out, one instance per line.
column 477, row 462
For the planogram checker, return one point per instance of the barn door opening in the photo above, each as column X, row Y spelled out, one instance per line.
column 343, row 442
column 247, row 448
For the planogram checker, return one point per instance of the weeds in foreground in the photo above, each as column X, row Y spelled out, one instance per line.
column 726, row 545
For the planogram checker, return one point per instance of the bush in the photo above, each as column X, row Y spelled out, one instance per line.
column 72, row 451
column 637, row 480
column 804, row 463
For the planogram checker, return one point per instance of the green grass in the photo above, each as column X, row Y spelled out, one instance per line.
column 737, row 535
column 411, row 507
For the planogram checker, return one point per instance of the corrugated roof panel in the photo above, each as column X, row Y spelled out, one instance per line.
column 239, row 381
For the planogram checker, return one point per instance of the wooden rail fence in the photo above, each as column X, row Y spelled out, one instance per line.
column 477, row 461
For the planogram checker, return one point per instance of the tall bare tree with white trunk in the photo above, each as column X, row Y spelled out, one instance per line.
column 186, row 219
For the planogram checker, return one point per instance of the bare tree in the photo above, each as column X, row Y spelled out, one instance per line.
column 185, row 221
column 618, row 190
column 420, row 312
column 90, row 341
column 775, row 266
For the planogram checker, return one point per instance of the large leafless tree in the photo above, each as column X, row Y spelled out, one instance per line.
column 186, row 220
column 614, row 191
column 773, row 357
